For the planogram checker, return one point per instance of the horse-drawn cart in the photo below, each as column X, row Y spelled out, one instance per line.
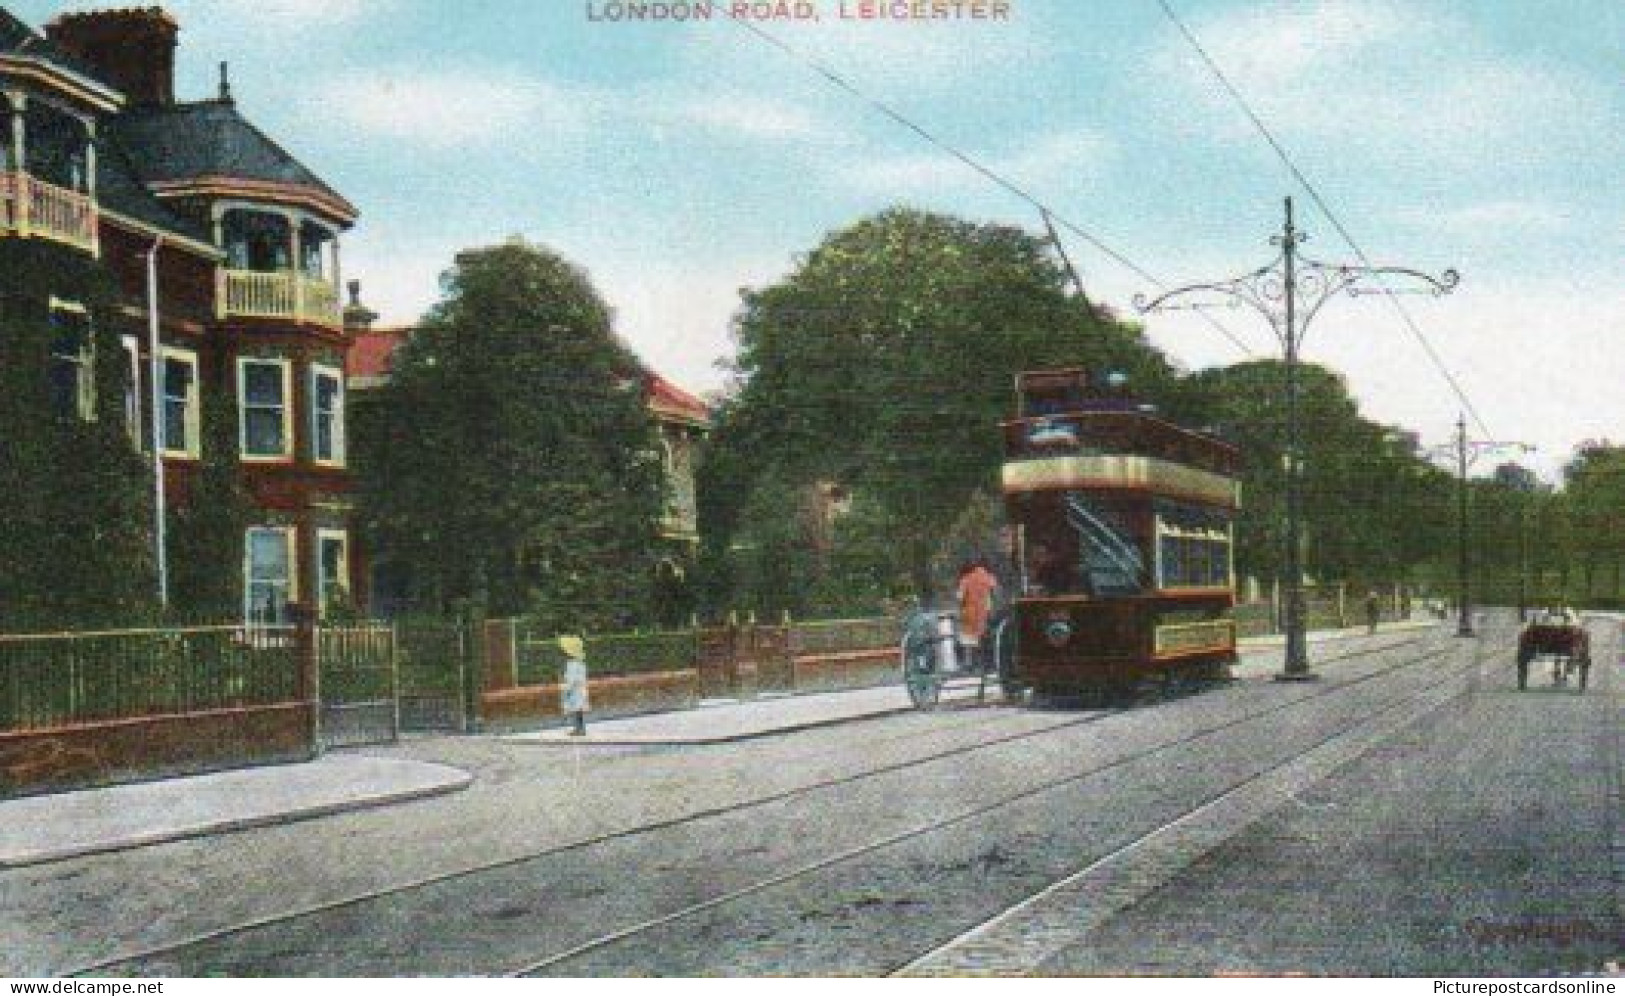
column 1558, row 636
column 934, row 654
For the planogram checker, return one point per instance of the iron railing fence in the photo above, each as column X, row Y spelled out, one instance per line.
column 58, row 679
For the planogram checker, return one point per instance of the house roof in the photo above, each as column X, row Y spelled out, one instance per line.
column 18, row 39
column 666, row 398
column 209, row 142
column 368, row 363
column 371, row 353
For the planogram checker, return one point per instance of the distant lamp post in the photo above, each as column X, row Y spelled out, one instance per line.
column 1289, row 291
column 1467, row 451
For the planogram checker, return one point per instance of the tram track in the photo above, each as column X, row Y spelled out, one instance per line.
column 224, row 935
column 1397, row 703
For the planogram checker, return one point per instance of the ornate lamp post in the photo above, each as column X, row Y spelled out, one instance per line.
column 1289, row 292
column 1467, row 451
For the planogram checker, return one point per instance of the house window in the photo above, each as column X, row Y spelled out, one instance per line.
column 263, row 390
column 333, row 565
column 327, row 415
column 132, row 388
column 71, row 381
column 181, row 406
column 268, row 575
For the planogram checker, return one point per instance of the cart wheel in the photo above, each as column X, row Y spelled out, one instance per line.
column 1585, row 672
column 920, row 673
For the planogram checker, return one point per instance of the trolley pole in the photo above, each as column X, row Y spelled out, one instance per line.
column 1466, row 452
column 1464, row 624
column 1274, row 291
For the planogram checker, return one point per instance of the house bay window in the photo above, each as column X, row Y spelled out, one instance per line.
column 70, row 376
column 327, row 415
column 263, row 391
column 268, row 575
column 181, row 406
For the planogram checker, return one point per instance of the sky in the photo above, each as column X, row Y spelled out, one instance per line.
column 679, row 162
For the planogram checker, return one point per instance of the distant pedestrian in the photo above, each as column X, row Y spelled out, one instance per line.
column 1373, row 610
column 573, row 690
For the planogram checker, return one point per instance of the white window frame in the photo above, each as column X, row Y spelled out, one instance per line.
column 323, row 537
column 84, row 384
column 133, row 423
column 192, row 446
column 337, row 457
column 290, row 540
column 286, row 367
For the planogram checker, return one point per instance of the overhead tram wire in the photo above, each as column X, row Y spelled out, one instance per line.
column 1009, row 186
column 1331, row 216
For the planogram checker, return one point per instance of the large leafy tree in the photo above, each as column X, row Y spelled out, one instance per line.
column 510, row 460
column 1594, row 496
column 883, row 365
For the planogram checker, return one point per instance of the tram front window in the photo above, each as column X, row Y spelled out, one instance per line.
column 1096, row 554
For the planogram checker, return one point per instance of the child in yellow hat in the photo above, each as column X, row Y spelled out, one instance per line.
column 573, row 690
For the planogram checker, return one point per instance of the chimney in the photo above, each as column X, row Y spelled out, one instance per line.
column 358, row 317
column 132, row 49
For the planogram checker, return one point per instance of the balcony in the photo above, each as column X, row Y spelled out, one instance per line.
column 32, row 207
column 278, row 294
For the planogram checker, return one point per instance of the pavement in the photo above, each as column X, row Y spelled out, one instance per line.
column 47, row 828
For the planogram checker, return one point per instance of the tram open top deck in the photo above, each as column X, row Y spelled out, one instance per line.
column 1122, row 528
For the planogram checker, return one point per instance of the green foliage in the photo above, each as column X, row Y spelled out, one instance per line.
column 75, row 542
column 510, row 460
column 883, row 365
column 1373, row 509
column 206, row 531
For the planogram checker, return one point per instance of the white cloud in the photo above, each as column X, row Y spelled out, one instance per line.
column 1048, row 163
column 1381, row 78
column 1504, row 219
column 744, row 116
column 449, row 108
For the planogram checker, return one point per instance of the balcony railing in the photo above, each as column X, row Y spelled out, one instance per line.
column 32, row 207
column 278, row 294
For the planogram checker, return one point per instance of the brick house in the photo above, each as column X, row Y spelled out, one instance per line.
column 97, row 156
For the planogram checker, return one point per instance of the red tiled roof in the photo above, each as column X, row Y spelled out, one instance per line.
column 371, row 352
column 664, row 396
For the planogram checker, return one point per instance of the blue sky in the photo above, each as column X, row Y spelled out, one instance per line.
column 679, row 162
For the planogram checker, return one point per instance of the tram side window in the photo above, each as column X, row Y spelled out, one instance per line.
column 1193, row 547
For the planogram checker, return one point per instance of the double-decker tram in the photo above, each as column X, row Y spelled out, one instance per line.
column 1122, row 531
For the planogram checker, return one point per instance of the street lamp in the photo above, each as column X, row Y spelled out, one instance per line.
column 1274, row 291
column 1467, row 453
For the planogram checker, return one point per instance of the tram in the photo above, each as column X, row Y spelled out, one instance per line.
column 1122, row 533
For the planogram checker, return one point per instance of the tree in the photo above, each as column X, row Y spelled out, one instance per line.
column 883, row 365
column 510, row 459
column 75, row 542
column 1373, row 508
column 1594, row 501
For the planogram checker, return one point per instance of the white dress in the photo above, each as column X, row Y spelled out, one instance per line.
column 573, row 692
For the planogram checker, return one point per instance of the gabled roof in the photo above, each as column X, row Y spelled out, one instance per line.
column 666, row 398
column 209, row 142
